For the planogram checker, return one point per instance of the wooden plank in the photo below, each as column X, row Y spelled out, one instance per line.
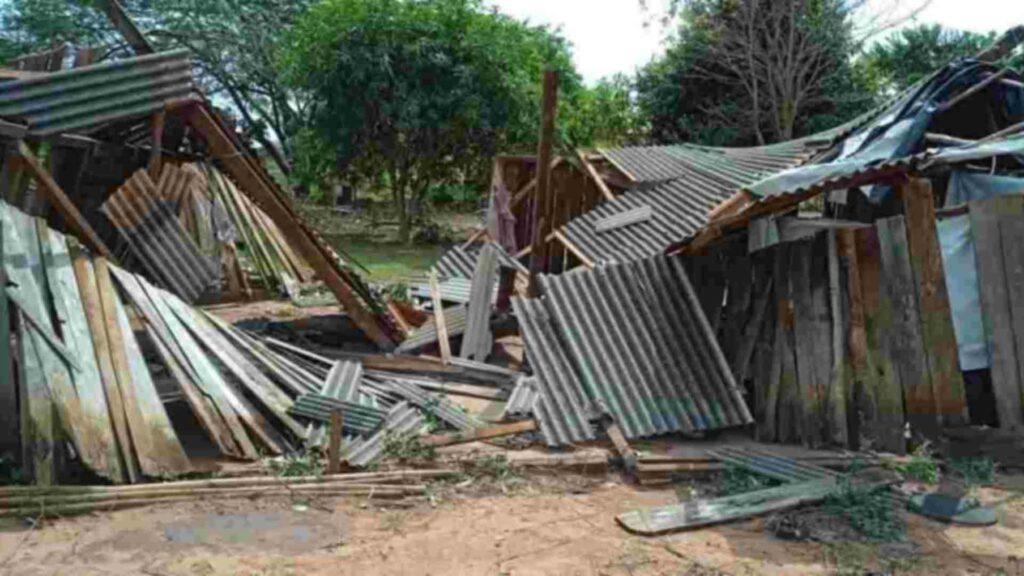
column 590, row 171
column 997, row 311
column 99, row 443
column 837, row 393
column 158, row 449
column 936, row 318
column 905, row 341
column 250, row 377
column 810, row 378
column 205, row 410
column 288, row 222
column 702, row 513
column 1011, row 231
column 439, row 321
column 467, row 436
column 64, row 206
column 86, row 278
column 10, row 447
column 787, row 404
column 882, row 412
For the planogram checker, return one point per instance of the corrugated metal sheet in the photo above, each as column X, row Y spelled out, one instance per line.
column 343, row 381
column 771, row 465
column 94, row 95
column 357, row 418
column 157, row 239
column 478, row 340
column 459, row 262
column 679, row 185
column 524, row 396
column 455, row 289
column 402, row 419
column 427, row 402
column 633, row 338
column 427, row 334
column 564, row 409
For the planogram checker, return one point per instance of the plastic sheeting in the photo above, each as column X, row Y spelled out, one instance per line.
column 958, row 261
column 968, row 186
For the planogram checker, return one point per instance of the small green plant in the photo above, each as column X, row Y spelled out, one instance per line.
column 739, row 480
column 492, row 468
column 430, row 414
column 921, row 466
column 292, row 465
column 976, row 471
column 397, row 291
column 404, row 447
column 868, row 510
column 10, row 473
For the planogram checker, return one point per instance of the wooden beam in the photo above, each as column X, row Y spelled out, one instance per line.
column 573, row 249
column 156, row 152
column 123, row 23
column 334, row 444
column 589, row 170
column 298, row 234
column 467, row 436
column 732, row 205
column 543, row 207
column 64, row 206
column 439, row 320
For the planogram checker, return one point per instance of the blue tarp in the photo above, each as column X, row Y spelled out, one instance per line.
column 967, row 186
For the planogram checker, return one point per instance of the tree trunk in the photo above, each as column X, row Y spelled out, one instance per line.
column 398, row 195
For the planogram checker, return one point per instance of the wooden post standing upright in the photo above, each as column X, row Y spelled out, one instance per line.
column 543, row 205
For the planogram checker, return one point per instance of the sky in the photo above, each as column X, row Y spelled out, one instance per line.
column 610, row 36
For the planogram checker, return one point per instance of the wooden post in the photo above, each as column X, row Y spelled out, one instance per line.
column 64, row 206
column 543, row 207
column 334, row 445
column 439, row 320
column 156, row 152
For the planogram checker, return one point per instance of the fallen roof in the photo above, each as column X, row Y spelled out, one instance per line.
column 99, row 94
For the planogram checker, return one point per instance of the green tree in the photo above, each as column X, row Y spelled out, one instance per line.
column 605, row 115
column 754, row 71
column 911, row 54
column 413, row 93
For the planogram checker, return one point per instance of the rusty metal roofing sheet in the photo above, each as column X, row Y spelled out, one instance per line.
column 94, row 95
column 564, row 410
column 157, row 239
column 640, row 347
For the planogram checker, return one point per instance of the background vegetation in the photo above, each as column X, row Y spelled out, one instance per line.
column 407, row 100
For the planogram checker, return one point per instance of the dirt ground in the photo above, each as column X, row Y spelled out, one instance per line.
column 563, row 526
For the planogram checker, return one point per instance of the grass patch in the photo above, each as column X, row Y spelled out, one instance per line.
column 921, row 466
column 389, row 262
column 976, row 471
column 868, row 510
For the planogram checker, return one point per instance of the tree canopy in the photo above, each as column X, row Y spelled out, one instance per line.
column 411, row 92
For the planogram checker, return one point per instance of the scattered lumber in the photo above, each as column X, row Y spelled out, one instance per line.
column 478, row 434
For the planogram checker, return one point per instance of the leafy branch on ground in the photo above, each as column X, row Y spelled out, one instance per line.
column 292, row 465
column 868, row 509
column 976, row 471
column 405, row 447
column 921, row 466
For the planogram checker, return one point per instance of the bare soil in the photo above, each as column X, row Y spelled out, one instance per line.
column 546, row 524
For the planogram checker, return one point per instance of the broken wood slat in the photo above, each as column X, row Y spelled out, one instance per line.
column 622, row 447
column 701, row 513
column 467, row 436
column 1001, row 308
column 936, row 318
column 217, row 427
column 100, row 450
column 882, row 410
column 189, row 355
column 64, row 206
column 439, row 321
column 153, row 443
column 590, row 171
column 250, row 377
column 226, row 397
column 477, row 340
column 265, row 195
column 905, row 342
